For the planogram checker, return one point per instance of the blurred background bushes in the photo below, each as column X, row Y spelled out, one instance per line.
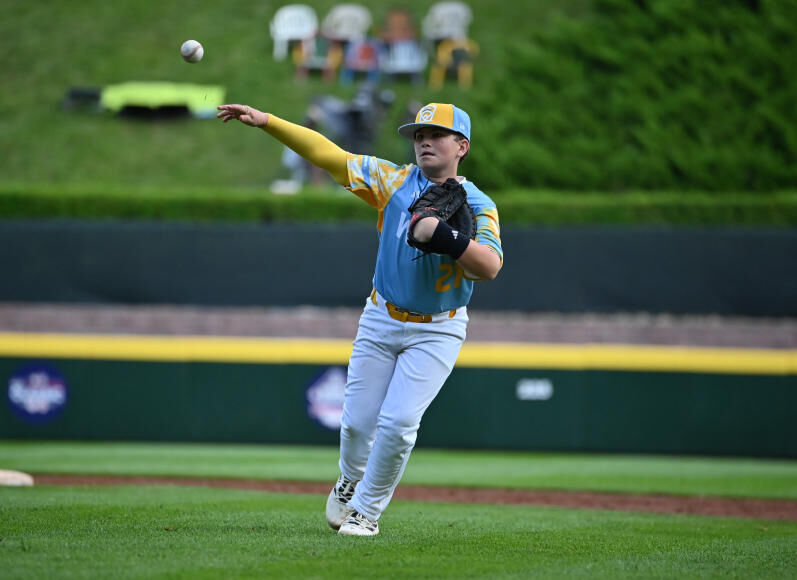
column 654, row 95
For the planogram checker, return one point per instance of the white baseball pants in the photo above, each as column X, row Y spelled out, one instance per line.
column 396, row 370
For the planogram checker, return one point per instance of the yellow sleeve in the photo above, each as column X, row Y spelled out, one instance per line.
column 311, row 145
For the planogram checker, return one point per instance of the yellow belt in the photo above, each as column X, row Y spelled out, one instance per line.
column 404, row 315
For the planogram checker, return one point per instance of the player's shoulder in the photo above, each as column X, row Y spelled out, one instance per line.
column 381, row 172
column 476, row 197
column 375, row 161
column 383, row 166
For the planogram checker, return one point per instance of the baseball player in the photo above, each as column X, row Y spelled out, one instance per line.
column 413, row 324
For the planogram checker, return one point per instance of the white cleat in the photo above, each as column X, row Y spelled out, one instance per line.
column 358, row 525
column 338, row 502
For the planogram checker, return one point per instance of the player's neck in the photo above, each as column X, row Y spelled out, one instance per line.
column 443, row 177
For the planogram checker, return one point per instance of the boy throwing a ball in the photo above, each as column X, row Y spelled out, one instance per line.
column 413, row 324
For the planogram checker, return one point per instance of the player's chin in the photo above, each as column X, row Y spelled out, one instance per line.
column 428, row 163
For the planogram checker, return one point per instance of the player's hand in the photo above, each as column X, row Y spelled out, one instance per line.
column 244, row 113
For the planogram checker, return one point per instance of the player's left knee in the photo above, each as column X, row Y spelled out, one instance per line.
column 405, row 431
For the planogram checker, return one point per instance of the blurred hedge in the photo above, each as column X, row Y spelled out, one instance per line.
column 516, row 207
column 648, row 94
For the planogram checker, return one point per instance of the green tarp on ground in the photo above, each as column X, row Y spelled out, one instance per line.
column 200, row 100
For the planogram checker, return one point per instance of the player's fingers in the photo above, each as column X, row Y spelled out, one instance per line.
column 231, row 109
column 227, row 114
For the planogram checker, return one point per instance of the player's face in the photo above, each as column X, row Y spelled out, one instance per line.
column 437, row 151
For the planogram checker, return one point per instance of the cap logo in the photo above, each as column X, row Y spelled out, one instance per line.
column 442, row 115
column 426, row 114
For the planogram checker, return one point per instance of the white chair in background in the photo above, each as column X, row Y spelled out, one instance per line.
column 347, row 22
column 293, row 22
column 447, row 20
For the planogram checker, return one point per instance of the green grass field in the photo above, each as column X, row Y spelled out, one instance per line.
column 171, row 532
column 774, row 479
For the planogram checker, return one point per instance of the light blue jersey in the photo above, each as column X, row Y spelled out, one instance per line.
column 428, row 283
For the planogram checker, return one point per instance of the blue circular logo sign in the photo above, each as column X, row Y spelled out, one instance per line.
column 325, row 397
column 37, row 393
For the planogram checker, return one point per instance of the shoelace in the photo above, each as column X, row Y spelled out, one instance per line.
column 345, row 490
column 359, row 519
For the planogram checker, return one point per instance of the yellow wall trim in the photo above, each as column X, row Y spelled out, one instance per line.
column 614, row 357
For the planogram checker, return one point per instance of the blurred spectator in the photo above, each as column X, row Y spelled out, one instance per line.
column 354, row 125
column 361, row 59
column 363, row 116
column 445, row 28
column 454, row 57
column 317, row 53
column 366, row 114
column 301, row 171
column 402, row 52
column 348, row 24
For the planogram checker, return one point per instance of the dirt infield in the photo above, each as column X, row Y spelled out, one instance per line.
column 663, row 504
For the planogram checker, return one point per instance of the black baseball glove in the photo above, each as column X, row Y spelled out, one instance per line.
column 448, row 203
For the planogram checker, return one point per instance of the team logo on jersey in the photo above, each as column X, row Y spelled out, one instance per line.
column 37, row 393
column 325, row 397
column 427, row 114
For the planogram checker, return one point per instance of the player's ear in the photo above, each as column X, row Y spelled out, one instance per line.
column 464, row 147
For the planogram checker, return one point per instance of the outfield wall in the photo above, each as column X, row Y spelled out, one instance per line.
column 613, row 398
column 602, row 398
column 675, row 270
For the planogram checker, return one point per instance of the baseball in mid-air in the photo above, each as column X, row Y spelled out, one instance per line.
column 192, row 51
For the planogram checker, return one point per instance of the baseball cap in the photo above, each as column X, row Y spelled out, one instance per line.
column 438, row 115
